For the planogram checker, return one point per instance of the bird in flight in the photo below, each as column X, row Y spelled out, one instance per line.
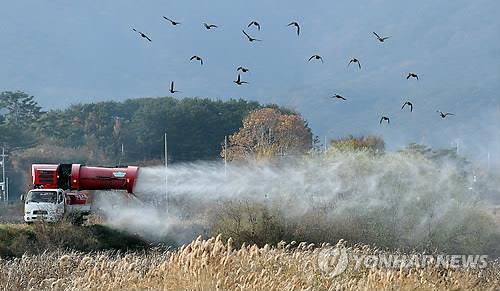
column 381, row 39
column 243, row 69
column 209, row 26
column 412, row 75
column 409, row 104
column 174, row 23
column 385, row 118
column 355, row 61
column 239, row 82
column 338, row 97
column 142, row 34
column 254, row 23
column 316, row 57
column 250, row 39
column 198, row 59
column 172, row 88
column 296, row 25
column 443, row 115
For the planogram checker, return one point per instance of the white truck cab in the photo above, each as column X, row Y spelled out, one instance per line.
column 52, row 204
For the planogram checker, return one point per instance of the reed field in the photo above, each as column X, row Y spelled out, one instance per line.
column 215, row 264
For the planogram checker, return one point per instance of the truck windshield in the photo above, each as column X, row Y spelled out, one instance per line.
column 42, row 196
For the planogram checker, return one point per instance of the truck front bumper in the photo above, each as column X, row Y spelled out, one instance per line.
column 40, row 217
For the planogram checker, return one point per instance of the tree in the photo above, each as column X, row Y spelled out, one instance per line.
column 267, row 132
column 372, row 144
column 21, row 109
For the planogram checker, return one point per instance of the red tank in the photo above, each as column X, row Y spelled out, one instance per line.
column 78, row 177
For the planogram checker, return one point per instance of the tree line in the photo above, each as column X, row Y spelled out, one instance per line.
column 112, row 133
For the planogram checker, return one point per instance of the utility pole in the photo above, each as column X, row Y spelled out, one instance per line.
column 4, row 185
column 225, row 156
column 325, row 145
column 166, row 172
column 488, row 161
column 7, row 188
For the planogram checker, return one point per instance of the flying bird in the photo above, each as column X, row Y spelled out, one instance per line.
column 385, row 118
column 443, row 115
column 355, row 61
column 316, row 57
column 209, row 26
column 172, row 88
column 174, row 23
column 254, row 23
column 250, row 39
column 409, row 104
column 381, row 39
column 142, row 34
column 412, row 75
column 198, row 59
column 239, row 82
column 243, row 69
column 338, row 97
column 296, row 25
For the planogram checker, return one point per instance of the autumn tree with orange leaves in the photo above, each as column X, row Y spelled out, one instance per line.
column 267, row 133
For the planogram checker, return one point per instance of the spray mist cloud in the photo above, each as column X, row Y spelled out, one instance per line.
column 411, row 195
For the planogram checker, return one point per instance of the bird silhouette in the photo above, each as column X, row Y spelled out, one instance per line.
column 172, row 88
column 381, row 39
column 317, row 57
column 355, row 61
column 294, row 23
column 142, row 34
column 250, row 39
column 338, row 97
column 174, row 23
column 209, row 26
column 254, row 23
column 412, row 75
column 198, row 59
column 239, row 82
column 243, row 69
column 409, row 104
column 443, row 115
column 385, row 118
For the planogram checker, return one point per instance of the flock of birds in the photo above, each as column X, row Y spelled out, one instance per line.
column 295, row 25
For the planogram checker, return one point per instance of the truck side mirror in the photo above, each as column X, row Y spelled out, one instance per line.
column 22, row 197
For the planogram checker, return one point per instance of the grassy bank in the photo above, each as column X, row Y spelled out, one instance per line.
column 17, row 239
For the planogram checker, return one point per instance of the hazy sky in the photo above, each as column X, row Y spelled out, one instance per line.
column 65, row 52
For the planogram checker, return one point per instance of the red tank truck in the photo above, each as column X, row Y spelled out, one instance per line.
column 58, row 189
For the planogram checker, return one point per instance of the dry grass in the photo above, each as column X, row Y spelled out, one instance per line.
column 213, row 264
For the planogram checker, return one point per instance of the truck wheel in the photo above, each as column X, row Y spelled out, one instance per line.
column 77, row 220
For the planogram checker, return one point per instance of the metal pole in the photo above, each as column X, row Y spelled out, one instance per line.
column 3, row 174
column 166, row 175
column 225, row 155
column 488, row 161
column 325, row 146
column 7, row 188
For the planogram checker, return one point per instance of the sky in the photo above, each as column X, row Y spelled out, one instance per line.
column 68, row 52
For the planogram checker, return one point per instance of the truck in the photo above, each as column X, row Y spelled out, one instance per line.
column 59, row 190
